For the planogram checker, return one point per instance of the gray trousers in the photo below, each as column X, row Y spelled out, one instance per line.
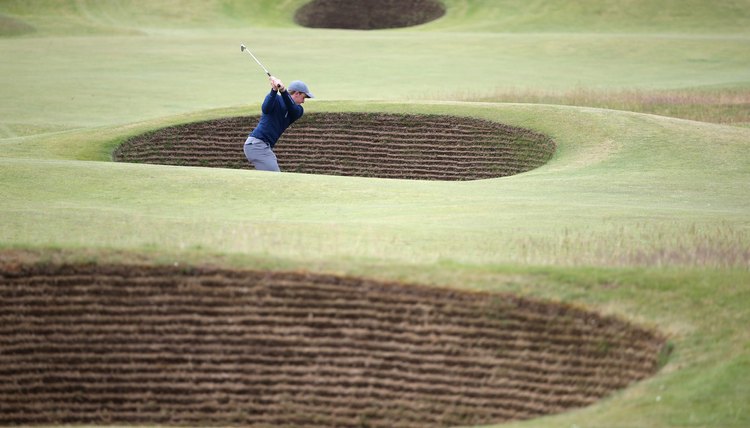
column 259, row 153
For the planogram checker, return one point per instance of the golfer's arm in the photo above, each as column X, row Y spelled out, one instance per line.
column 270, row 102
column 295, row 111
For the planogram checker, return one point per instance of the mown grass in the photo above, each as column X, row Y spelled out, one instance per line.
column 131, row 17
column 582, row 16
column 63, row 83
column 637, row 190
column 640, row 216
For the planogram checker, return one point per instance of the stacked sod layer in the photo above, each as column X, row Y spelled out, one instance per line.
column 87, row 344
column 368, row 14
column 425, row 147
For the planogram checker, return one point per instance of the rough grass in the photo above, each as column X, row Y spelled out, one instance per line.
column 729, row 106
column 13, row 27
column 599, row 16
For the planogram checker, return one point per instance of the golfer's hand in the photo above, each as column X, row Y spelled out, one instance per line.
column 277, row 84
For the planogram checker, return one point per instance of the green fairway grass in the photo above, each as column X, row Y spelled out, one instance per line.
column 642, row 190
column 641, row 213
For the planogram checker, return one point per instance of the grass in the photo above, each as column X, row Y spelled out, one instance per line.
column 129, row 17
column 13, row 27
column 710, row 105
column 640, row 215
column 69, row 82
column 598, row 16
column 645, row 213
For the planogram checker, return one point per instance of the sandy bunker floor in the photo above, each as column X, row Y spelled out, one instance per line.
column 423, row 147
column 88, row 344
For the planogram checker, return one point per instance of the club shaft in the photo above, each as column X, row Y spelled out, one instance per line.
column 245, row 49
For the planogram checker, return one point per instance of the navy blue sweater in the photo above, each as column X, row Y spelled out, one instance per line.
column 279, row 111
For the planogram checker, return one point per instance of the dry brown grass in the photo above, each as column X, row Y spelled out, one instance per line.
column 728, row 106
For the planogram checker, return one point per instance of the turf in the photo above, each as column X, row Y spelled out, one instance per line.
column 122, row 78
column 638, row 199
column 638, row 215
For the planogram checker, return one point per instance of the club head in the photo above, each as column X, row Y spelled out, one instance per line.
column 242, row 48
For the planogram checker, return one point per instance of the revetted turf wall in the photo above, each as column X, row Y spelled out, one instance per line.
column 368, row 14
column 87, row 344
column 425, row 147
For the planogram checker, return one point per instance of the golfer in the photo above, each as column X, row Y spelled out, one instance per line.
column 281, row 107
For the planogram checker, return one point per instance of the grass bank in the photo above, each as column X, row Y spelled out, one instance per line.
column 637, row 215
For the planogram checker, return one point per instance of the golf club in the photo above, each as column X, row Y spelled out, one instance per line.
column 243, row 48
